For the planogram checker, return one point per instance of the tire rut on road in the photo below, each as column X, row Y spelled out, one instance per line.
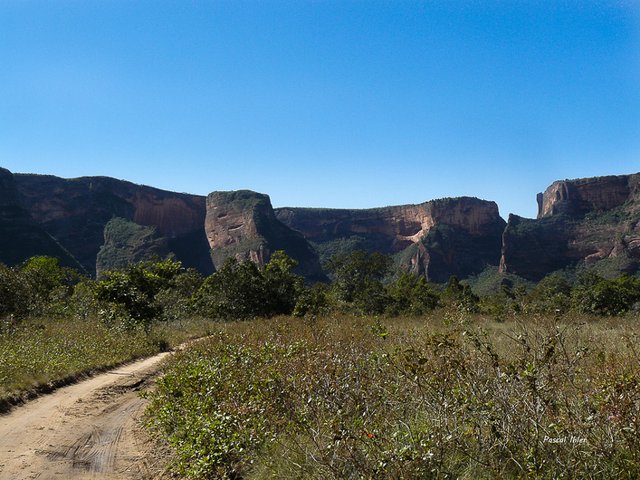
column 83, row 431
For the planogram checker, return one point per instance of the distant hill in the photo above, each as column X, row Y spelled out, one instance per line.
column 242, row 225
column 439, row 238
column 76, row 211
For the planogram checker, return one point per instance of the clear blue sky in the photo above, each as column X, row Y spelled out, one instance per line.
column 324, row 103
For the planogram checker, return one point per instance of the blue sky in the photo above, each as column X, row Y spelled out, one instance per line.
column 324, row 103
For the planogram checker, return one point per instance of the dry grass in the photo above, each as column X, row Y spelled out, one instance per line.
column 38, row 353
column 447, row 396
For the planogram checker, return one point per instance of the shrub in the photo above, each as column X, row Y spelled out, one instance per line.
column 411, row 295
column 600, row 296
column 358, row 280
column 552, row 294
column 460, row 296
column 241, row 290
column 313, row 301
column 337, row 398
column 14, row 293
column 128, row 297
column 50, row 285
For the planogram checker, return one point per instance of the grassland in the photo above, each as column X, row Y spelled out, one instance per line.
column 446, row 396
column 38, row 354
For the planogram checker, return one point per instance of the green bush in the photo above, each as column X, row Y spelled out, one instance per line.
column 128, row 297
column 411, row 295
column 460, row 296
column 241, row 290
column 600, row 296
column 14, row 293
column 313, row 301
column 357, row 280
column 551, row 295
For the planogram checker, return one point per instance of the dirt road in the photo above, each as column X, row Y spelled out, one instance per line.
column 83, row 431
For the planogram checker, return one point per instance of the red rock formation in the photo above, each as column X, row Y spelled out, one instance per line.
column 173, row 215
column 21, row 237
column 75, row 212
column 242, row 225
column 590, row 221
column 421, row 234
column 584, row 195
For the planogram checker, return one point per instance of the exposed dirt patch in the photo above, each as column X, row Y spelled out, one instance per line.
column 83, row 431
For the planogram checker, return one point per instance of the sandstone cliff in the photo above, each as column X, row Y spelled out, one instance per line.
column 242, row 224
column 592, row 222
column 576, row 197
column 76, row 211
column 456, row 236
column 20, row 235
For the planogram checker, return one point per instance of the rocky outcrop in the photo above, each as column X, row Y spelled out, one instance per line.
column 586, row 195
column 76, row 211
column 21, row 237
column 242, row 224
column 592, row 222
column 455, row 236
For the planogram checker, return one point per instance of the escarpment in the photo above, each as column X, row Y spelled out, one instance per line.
column 98, row 223
column 242, row 225
column 586, row 195
column 76, row 211
column 21, row 237
column 590, row 222
column 439, row 238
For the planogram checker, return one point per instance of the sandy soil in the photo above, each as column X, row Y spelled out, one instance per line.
column 89, row 430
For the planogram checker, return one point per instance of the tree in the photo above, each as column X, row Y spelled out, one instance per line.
column 175, row 301
column 551, row 294
column 358, row 279
column 412, row 294
column 14, row 293
column 460, row 296
column 50, row 285
column 600, row 296
column 241, row 290
column 281, row 286
column 312, row 301
column 128, row 296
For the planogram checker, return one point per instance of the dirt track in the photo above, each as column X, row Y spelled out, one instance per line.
column 82, row 431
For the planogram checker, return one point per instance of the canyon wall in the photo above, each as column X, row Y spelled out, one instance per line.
column 581, row 196
column 76, row 211
column 96, row 223
column 242, row 224
column 591, row 222
column 439, row 238
column 21, row 237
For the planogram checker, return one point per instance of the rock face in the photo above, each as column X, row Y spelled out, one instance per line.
column 586, row 195
column 21, row 237
column 76, row 211
column 455, row 236
column 592, row 222
column 97, row 223
column 242, row 224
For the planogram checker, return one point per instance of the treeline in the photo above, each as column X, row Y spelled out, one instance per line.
column 360, row 284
